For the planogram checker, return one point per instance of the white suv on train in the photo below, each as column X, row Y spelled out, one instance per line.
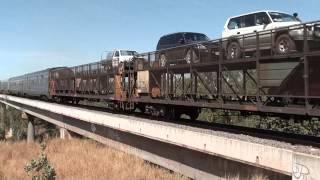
column 272, row 27
column 120, row 55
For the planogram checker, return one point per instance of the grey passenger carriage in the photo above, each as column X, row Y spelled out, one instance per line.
column 33, row 84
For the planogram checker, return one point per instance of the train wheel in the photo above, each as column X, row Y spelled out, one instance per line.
column 140, row 108
column 44, row 98
column 194, row 116
column 76, row 101
column 171, row 113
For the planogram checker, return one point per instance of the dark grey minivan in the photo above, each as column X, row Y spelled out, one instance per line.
column 181, row 46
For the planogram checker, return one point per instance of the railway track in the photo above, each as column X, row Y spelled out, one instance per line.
column 294, row 139
column 291, row 138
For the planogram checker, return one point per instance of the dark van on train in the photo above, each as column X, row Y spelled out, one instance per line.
column 181, row 46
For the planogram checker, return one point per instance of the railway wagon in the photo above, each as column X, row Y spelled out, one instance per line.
column 4, row 85
column 34, row 84
column 95, row 81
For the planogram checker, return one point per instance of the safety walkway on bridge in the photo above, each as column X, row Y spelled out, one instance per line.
column 184, row 149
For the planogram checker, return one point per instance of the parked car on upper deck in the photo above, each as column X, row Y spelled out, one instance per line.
column 272, row 26
column 181, row 46
column 120, row 55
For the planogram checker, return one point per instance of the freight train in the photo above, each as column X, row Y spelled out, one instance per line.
column 262, row 82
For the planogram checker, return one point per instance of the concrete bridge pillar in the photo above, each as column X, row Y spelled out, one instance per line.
column 30, row 136
column 3, row 112
column 65, row 134
column 30, row 131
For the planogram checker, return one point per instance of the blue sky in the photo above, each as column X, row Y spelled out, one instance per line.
column 37, row 34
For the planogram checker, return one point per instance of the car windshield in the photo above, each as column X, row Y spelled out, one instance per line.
column 128, row 53
column 196, row 37
column 282, row 17
column 109, row 55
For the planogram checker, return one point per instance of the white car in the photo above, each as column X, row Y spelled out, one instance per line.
column 272, row 27
column 119, row 56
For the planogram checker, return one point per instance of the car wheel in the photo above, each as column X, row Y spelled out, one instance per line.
column 191, row 56
column 233, row 51
column 284, row 44
column 163, row 60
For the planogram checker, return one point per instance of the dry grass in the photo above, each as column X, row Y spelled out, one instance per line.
column 256, row 176
column 78, row 159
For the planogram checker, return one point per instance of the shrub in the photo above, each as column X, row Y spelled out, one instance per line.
column 40, row 169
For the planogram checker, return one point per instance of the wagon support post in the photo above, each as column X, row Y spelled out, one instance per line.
column 258, row 69
column 306, row 66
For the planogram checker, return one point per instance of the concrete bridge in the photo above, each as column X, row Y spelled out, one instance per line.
column 194, row 152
